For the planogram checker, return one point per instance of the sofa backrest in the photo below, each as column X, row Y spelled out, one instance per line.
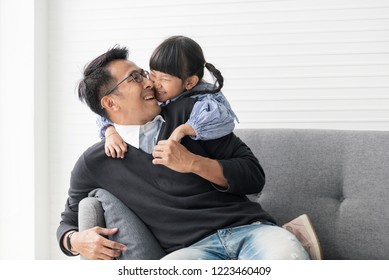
column 339, row 178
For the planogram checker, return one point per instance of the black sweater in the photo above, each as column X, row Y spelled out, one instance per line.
column 179, row 208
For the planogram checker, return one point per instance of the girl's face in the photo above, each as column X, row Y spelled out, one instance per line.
column 166, row 86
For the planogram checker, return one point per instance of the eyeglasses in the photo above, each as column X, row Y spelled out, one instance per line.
column 134, row 76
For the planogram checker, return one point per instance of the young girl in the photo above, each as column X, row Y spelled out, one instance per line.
column 177, row 69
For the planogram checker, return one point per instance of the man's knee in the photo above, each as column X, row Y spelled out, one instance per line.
column 270, row 242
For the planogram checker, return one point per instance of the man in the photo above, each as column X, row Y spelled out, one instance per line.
column 192, row 196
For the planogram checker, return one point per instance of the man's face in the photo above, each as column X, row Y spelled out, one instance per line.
column 136, row 103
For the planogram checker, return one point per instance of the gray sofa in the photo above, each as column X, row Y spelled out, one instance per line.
column 339, row 178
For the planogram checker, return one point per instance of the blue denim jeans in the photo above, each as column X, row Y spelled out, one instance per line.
column 249, row 242
column 257, row 241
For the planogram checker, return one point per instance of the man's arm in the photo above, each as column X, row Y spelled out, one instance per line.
column 232, row 165
column 176, row 157
column 241, row 167
column 91, row 244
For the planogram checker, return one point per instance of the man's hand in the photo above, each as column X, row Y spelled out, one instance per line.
column 92, row 244
column 176, row 157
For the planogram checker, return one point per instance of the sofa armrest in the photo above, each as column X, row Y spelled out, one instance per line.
column 103, row 209
column 90, row 214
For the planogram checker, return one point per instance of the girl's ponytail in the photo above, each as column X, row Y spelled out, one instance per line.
column 216, row 73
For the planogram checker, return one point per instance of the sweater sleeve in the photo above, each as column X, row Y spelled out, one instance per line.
column 212, row 117
column 102, row 124
column 241, row 168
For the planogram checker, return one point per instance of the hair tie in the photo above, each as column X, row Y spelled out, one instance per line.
column 205, row 63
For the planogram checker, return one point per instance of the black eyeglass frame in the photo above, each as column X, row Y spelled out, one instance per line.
column 138, row 78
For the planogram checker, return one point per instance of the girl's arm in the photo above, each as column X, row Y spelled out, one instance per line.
column 211, row 118
column 182, row 131
column 114, row 145
column 103, row 124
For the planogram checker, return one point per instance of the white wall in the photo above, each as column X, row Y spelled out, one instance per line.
column 41, row 130
column 23, row 141
column 287, row 63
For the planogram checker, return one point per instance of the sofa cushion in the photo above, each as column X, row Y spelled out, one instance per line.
column 339, row 178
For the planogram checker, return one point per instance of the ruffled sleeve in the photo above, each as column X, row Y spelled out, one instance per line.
column 212, row 117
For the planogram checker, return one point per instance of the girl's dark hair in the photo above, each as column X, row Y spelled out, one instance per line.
column 182, row 57
column 97, row 79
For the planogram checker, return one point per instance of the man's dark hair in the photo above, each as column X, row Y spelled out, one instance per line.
column 97, row 79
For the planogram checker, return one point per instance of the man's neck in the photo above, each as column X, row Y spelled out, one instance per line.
column 141, row 136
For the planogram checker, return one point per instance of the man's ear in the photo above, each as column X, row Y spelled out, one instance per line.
column 109, row 104
column 191, row 82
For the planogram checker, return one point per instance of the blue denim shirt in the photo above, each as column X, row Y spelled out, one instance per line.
column 212, row 116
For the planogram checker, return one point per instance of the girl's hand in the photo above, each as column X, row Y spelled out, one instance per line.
column 114, row 145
